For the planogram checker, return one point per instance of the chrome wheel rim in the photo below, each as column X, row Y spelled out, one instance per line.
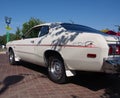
column 56, row 69
column 11, row 57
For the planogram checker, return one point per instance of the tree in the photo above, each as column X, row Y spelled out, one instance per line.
column 32, row 22
column 3, row 38
column 12, row 36
column 18, row 34
column 26, row 26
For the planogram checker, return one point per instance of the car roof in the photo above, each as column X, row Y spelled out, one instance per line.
column 44, row 24
column 47, row 24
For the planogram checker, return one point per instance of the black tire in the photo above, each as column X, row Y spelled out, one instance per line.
column 56, row 70
column 12, row 57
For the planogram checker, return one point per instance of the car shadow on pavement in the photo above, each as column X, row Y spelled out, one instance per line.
column 8, row 81
column 93, row 81
column 98, row 81
column 34, row 67
column 113, row 89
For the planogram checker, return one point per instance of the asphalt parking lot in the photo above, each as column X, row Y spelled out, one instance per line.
column 30, row 81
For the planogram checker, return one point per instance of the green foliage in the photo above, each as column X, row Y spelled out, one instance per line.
column 18, row 33
column 3, row 38
column 12, row 36
column 26, row 26
column 32, row 22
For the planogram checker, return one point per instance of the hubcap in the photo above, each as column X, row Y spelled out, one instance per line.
column 56, row 69
column 11, row 57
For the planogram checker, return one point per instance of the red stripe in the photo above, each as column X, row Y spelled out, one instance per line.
column 53, row 45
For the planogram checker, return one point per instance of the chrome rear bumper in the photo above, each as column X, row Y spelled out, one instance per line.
column 111, row 65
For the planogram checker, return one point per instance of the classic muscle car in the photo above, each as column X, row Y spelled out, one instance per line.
column 65, row 48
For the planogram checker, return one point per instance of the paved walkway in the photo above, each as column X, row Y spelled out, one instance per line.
column 30, row 81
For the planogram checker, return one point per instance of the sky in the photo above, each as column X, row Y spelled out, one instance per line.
column 98, row 14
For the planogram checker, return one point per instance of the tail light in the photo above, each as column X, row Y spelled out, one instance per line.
column 110, row 50
column 118, row 49
column 114, row 49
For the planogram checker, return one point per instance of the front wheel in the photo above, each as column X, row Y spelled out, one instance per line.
column 56, row 70
column 12, row 57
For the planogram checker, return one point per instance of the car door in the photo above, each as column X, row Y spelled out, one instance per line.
column 40, row 44
column 25, row 47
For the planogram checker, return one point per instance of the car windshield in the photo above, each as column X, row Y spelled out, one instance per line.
column 81, row 28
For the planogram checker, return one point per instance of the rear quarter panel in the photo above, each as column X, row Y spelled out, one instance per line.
column 74, row 51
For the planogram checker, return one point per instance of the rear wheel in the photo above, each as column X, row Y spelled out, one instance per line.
column 56, row 70
column 12, row 57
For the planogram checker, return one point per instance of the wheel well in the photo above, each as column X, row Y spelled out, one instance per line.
column 49, row 53
column 10, row 49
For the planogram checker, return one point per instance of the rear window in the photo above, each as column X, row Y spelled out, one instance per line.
column 81, row 28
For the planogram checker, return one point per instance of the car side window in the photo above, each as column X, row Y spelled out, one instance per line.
column 43, row 31
column 33, row 33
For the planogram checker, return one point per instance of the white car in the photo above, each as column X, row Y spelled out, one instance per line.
column 64, row 48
